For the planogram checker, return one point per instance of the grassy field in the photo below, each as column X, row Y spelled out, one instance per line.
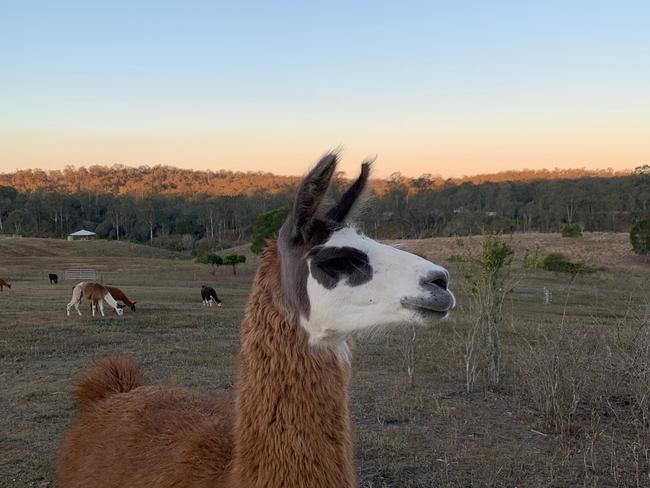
column 571, row 411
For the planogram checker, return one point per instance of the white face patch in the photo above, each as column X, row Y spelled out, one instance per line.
column 400, row 287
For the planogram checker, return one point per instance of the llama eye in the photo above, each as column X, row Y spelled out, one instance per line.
column 337, row 265
column 333, row 264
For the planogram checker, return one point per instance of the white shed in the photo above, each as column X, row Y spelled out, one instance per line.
column 82, row 235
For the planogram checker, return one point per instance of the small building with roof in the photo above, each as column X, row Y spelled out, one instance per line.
column 82, row 235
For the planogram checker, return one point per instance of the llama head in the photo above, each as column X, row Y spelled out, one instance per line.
column 338, row 281
column 119, row 309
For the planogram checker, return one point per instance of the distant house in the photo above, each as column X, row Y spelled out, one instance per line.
column 82, row 235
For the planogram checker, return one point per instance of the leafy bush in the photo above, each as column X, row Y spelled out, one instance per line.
column 559, row 263
column 210, row 258
column 266, row 226
column 572, row 230
column 233, row 260
column 640, row 237
column 215, row 260
column 495, row 253
column 489, row 277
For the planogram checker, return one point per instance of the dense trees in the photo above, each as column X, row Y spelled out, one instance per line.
column 640, row 237
column 186, row 219
column 266, row 226
column 146, row 181
column 607, row 204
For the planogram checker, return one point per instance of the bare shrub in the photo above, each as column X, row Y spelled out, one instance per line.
column 632, row 362
column 470, row 350
column 560, row 372
column 573, row 374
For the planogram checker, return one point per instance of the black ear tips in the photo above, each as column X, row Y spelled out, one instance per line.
column 366, row 166
column 311, row 191
column 342, row 209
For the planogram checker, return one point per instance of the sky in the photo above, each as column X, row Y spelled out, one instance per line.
column 447, row 88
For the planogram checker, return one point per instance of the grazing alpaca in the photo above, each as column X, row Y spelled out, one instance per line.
column 317, row 284
column 119, row 296
column 54, row 278
column 94, row 292
column 208, row 295
column 4, row 283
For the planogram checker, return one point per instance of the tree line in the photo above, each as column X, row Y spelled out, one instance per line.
column 401, row 208
column 146, row 181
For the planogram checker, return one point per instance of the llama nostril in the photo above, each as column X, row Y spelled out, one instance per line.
column 436, row 279
column 441, row 283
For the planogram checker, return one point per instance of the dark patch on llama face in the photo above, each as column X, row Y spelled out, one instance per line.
column 295, row 271
column 330, row 265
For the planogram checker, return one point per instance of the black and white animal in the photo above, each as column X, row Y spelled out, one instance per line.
column 209, row 296
column 54, row 278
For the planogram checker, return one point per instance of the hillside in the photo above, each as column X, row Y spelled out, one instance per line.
column 18, row 247
column 611, row 250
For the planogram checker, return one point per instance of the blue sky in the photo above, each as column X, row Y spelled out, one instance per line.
column 440, row 87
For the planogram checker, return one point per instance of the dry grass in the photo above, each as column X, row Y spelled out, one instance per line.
column 589, row 431
column 612, row 250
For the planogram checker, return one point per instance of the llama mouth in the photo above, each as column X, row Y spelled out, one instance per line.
column 435, row 307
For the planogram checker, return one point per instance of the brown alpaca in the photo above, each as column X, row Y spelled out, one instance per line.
column 96, row 293
column 4, row 283
column 119, row 296
column 290, row 426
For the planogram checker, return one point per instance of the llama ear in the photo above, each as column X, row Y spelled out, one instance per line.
column 340, row 211
column 310, row 194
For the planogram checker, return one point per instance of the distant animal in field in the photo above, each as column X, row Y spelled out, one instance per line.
column 96, row 293
column 209, row 296
column 54, row 278
column 4, row 283
column 119, row 296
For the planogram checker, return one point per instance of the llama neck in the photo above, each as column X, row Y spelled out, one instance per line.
column 292, row 422
column 108, row 298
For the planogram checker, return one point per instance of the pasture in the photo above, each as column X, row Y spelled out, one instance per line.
column 582, row 354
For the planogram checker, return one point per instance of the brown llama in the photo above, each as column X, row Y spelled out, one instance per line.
column 4, row 283
column 119, row 296
column 290, row 426
column 96, row 293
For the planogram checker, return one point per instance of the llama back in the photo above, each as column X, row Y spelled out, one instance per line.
column 146, row 436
